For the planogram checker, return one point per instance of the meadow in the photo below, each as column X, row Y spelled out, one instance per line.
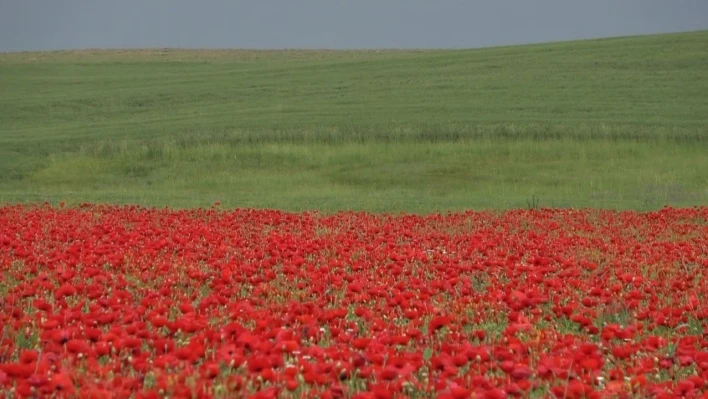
column 615, row 123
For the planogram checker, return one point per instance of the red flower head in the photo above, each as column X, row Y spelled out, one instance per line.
column 62, row 384
column 437, row 323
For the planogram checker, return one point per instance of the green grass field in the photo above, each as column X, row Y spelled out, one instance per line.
column 614, row 123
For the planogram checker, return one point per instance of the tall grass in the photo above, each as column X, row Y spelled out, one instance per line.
column 398, row 176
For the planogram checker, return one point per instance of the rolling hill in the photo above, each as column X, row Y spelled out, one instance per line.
column 618, row 123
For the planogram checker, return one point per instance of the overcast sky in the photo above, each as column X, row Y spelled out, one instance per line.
column 75, row 24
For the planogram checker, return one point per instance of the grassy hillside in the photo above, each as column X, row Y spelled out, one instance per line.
column 619, row 123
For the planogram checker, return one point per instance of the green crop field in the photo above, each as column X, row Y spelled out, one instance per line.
column 615, row 123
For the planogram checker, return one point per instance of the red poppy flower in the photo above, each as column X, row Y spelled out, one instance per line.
column 438, row 322
column 62, row 384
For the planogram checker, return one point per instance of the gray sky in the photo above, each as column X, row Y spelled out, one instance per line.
column 75, row 24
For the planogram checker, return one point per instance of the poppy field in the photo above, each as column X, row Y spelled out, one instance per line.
column 103, row 301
